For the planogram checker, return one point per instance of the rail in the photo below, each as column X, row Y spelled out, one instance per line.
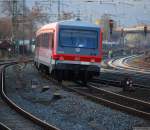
column 18, row 109
column 130, row 105
column 4, row 127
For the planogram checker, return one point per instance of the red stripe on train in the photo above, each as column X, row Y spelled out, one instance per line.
column 77, row 58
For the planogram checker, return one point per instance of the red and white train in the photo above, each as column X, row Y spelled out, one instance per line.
column 69, row 50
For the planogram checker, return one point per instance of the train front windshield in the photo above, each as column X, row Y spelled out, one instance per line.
column 79, row 38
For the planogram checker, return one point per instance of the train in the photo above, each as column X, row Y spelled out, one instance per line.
column 69, row 50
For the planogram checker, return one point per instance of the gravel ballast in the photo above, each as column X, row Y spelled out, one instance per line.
column 69, row 111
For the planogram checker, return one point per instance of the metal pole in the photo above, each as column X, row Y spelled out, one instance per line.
column 14, row 22
column 23, row 26
column 58, row 10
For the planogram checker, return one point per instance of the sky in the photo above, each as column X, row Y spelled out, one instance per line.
column 125, row 12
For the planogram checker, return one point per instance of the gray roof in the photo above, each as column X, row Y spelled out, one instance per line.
column 70, row 23
column 77, row 23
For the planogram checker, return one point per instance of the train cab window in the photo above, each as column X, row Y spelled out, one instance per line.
column 79, row 38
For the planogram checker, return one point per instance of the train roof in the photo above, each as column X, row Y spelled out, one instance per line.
column 69, row 23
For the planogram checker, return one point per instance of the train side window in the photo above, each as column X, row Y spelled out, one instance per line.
column 51, row 39
column 38, row 41
column 47, row 40
column 44, row 40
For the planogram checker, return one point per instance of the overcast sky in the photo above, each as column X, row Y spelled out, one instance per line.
column 125, row 12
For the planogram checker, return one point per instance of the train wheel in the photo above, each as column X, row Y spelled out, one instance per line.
column 40, row 69
column 85, row 78
column 84, row 82
column 59, row 77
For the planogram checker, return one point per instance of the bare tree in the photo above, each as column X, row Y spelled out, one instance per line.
column 34, row 17
column 5, row 28
column 6, row 7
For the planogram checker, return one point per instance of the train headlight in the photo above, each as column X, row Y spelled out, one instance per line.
column 77, row 58
column 92, row 60
column 61, row 58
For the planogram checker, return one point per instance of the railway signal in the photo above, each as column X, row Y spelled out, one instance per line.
column 145, row 30
column 127, row 84
column 111, row 24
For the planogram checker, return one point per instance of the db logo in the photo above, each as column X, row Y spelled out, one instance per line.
column 77, row 49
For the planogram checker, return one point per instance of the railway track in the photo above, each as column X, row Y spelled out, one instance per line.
column 121, row 64
column 4, row 127
column 117, row 83
column 6, row 99
column 131, row 105
column 117, row 101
